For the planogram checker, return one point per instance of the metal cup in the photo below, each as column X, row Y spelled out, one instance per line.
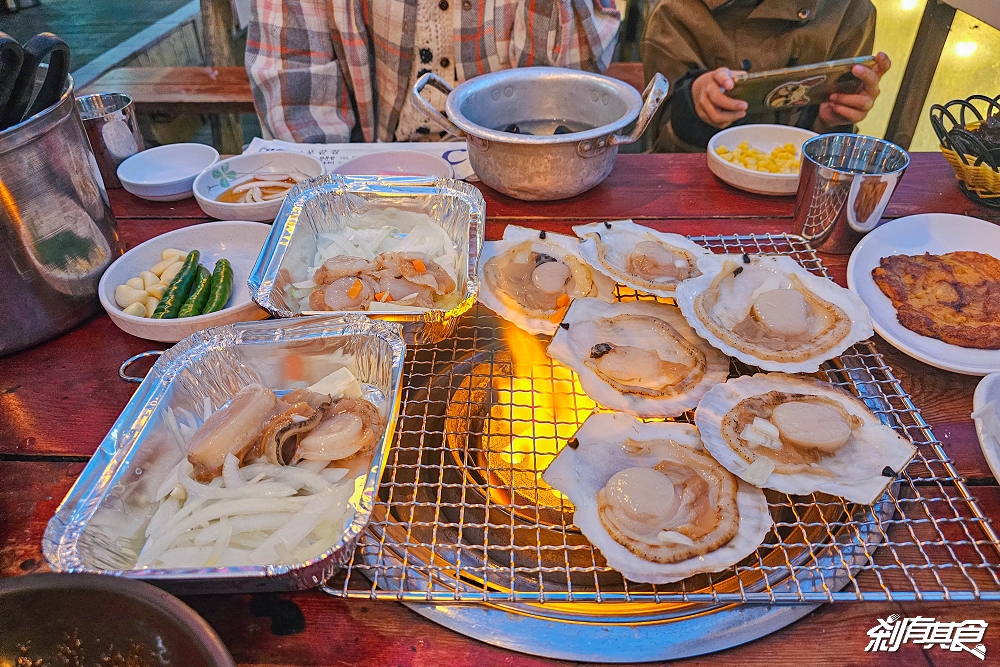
column 109, row 119
column 845, row 183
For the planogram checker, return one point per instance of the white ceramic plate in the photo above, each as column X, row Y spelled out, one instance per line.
column 937, row 233
column 764, row 138
column 988, row 426
column 397, row 163
column 165, row 173
column 238, row 241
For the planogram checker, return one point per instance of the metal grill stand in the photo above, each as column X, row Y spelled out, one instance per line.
column 463, row 515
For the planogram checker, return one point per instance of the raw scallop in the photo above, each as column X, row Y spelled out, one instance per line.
column 768, row 311
column 799, row 435
column 599, row 460
column 530, row 278
column 642, row 258
column 639, row 357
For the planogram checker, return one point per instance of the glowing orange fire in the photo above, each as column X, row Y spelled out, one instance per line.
column 544, row 404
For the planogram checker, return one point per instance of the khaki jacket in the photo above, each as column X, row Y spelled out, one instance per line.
column 692, row 36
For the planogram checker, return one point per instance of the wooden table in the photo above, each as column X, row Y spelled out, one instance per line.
column 58, row 400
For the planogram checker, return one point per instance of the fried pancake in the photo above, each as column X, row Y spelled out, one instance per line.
column 953, row 297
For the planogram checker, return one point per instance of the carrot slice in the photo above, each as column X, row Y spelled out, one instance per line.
column 355, row 289
column 383, row 297
column 418, row 264
column 558, row 315
column 562, row 301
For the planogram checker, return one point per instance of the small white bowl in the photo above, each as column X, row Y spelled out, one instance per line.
column 220, row 177
column 988, row 390
column 397, row 163
column 238, row 241
column 764, row 138
column 165, row 173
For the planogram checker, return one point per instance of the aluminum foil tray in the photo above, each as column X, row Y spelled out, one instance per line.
column 85, row 534
column 331, row 203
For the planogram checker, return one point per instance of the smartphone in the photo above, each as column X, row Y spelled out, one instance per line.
column 794, row 87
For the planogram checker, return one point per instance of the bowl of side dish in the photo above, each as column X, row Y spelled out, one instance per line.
column 763, row 159
column 237, row 242
column 252, row 187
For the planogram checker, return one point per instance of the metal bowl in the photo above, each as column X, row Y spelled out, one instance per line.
column 542, row 166
column 90, row 619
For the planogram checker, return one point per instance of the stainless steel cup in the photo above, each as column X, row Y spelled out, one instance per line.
column 845, row 183
column 109, row 119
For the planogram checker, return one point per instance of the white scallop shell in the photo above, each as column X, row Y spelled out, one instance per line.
column 856, row 468
column 824, row 288
column 562, row 349
column 580, row 473
column 620, row 237
column 556, row 245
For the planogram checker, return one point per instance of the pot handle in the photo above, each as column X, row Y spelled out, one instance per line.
column 425, row 107
column 653, row 97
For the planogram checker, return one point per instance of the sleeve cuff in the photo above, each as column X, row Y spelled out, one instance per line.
column 684, row 120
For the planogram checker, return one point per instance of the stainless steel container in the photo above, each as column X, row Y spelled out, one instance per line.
column 845, row 183
column 99, row 526
column 57, row 233
column 113, row 130
column 546, row 166
column 331, row 204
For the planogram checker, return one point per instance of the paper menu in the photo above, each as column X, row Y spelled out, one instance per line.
column 332, row 156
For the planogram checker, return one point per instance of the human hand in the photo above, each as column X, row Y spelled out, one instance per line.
column 848, row 109
column 708, row 92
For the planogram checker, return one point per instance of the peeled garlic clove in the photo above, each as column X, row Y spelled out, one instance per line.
column 126, row 295
column 136, row 310
column 255, row 195
column 151, row 304
column 136, row 283
column 160, row 267
column 171, row 272
column 173, row 253
column 149, row 279
column 156, row 290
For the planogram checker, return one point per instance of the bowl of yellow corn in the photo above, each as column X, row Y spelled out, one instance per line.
column 759, row 158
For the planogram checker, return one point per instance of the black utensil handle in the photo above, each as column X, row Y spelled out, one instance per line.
column 11, row 58
column 35, row 51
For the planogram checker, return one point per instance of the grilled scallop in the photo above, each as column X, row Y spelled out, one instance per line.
column 640, row 257
column 799, row 435
column 653, row 502
column 769, row 312
column 639, row 357
column 530, row 278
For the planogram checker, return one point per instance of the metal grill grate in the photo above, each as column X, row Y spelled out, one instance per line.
column 463, row 518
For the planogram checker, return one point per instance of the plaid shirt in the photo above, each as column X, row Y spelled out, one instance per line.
column 321, row 68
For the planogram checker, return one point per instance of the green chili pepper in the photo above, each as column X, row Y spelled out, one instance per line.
column 196, row 301
column 178, row 289
column 222, row 286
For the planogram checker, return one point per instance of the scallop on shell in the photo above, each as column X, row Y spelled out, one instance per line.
column 768, row 311
column 639, row 357
column 799, row 435
column 530, row 277
column 652, row 501
column 642, row 258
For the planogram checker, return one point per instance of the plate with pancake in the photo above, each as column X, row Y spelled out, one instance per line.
column 932, row 285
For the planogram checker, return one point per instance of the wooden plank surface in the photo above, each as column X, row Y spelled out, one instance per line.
column 38, row 461
column 180, row 90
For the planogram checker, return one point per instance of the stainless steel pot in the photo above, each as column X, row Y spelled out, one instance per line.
column 542, row 167
column 57, row 233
